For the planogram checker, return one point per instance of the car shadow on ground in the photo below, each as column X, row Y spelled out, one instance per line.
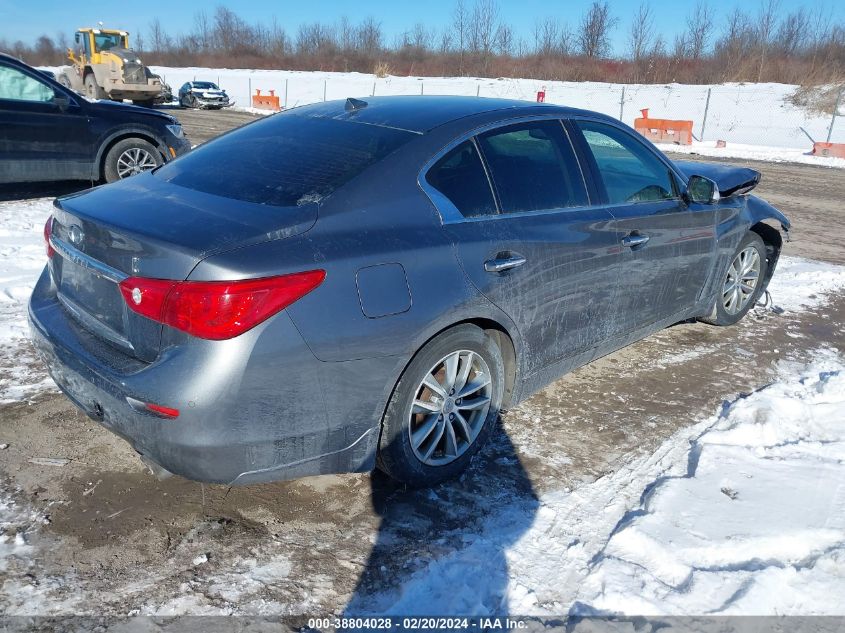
column 26, row 191
column 442, row 550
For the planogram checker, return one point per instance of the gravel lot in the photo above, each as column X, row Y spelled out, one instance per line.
column 118, row 541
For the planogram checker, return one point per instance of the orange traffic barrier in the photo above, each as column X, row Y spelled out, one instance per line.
column 829, row 149
column 664, row 130
column 266, row 102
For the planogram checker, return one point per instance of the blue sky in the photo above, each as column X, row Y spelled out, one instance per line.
column 27, row 20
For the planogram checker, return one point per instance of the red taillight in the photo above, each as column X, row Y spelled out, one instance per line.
column 217, row 310
column 156, row 409
column 165, row 412
column 48, row 231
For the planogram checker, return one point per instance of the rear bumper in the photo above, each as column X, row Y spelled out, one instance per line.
column 252, row 409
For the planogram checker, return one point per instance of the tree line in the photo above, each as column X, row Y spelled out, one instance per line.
column 805, row 46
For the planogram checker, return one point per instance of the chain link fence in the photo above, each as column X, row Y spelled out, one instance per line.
column 747, row 114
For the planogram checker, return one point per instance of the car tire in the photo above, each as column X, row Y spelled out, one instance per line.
column 120, row 158
column 92, row 89
column 742, row 284
column 428, row 437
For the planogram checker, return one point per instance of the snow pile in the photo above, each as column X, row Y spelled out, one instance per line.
column 804, row 283
column 756, row 524
column 755, row 152
column 743, row 513
column 22, row 258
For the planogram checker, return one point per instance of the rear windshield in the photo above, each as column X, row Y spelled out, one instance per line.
column 284, row 160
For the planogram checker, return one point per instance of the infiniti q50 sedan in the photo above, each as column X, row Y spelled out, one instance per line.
column 360, row 284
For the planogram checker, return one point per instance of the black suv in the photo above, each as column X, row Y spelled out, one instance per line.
column 48, row 132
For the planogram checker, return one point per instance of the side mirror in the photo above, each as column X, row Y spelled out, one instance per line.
column 61, row 101
column 702, row 190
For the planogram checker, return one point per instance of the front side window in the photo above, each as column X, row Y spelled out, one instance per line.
column 629, row 169
column 18, row 86
column 460, row 176
column 533, row 167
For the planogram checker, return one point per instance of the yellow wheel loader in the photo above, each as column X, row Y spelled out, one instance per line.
column 104, row 67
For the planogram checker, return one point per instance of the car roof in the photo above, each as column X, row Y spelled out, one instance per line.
column 425, row 112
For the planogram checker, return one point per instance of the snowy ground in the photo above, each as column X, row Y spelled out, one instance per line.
column 758, row 121
column 751, row 114
column 22, row 258
column 754, row 152
column 743, row 513
column 623, row 488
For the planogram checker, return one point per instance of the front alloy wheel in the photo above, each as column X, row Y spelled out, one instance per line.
column 742, row 284
column 129, row 157
column 133, row 161
column 741, row 281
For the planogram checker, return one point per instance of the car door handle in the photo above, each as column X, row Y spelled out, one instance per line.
column 501, row 264
column 634, row 240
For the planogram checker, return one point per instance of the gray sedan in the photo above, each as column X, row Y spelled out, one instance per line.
column 369, row 283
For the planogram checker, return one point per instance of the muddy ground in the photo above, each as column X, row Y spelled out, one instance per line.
column 116, row 540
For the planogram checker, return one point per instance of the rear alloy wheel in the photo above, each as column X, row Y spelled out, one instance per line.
column 743, row 283
column 443, row 408
column 129, row 157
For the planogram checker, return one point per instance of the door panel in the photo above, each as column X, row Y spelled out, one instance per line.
column 516, row 202
column 560, row 297
column 39, row 141
column 668, row 246
column 665, row 275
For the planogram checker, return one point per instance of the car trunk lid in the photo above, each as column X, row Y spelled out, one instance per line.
column 146, row 227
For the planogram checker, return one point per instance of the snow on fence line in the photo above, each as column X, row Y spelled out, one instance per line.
column 751, row 114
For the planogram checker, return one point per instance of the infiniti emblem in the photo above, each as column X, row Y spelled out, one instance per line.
column 75, row 235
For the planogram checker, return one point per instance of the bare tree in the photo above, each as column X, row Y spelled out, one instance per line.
column 460, row 17
column 793, row 32
column 641, row 33
column 445, row 41
column 699, row 29
column 504, row 40
column 547, row 37
column 138, row 43
column 766, row 20
column 482, row 27
column 345, row 35
column 370, row 36
column 594, row 34
column 61, row 42
column 202, row 30
column 159, row 40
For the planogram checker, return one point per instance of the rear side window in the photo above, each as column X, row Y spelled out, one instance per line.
column 630, row 170
column 533, row 167
column 460, row 176
column 284, row 160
